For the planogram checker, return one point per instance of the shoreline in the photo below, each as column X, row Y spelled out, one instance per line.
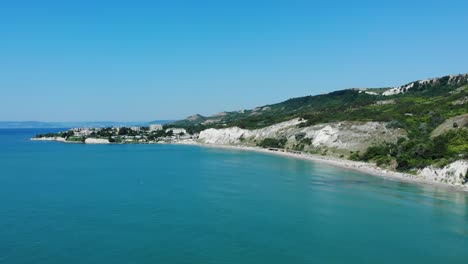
column 363, row 167
column 359, row 166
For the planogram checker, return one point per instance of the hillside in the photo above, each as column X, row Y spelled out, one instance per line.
column 427, row 102
column 420, row 128
column 410, row 127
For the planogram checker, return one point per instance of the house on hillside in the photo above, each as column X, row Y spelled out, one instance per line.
column 176, row 131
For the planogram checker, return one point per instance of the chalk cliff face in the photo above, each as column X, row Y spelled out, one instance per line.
column 351, row 136
column 235, row 135
column 96, row 141
column 337, row 138
column 225, row 136
column 454, row 173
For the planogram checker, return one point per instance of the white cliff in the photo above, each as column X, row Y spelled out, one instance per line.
column 340, row 136
column 455, row 173
column 224, row 136
column 96, row 141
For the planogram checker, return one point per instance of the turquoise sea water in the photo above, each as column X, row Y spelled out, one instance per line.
column 73, row 203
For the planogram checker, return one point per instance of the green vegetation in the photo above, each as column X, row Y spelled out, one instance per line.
column 418, row 111
column 302, row 141
column 126, row 131
column 66, row 134
column 46, row 135
column 419, row 153
column 272, row 143
column 76, row 139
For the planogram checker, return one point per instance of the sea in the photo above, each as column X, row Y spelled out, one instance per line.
column 77, row 203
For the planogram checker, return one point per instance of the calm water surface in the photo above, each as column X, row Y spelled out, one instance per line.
column 73, row 203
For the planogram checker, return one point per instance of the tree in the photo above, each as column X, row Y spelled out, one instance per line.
column 123, row 131
column 273, row 143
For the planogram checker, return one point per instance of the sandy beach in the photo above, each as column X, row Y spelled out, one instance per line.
column 364, row 167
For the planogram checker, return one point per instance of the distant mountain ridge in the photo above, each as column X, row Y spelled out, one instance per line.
column 37, row 124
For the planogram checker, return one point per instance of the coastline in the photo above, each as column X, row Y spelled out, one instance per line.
column 363, row 167
column 359, row 166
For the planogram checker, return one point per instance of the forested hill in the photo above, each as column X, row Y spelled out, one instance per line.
column 433, row 113
column 419, row 107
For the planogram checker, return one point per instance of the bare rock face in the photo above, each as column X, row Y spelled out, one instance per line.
column 227, row 136
column 351, row 136
column 451, row 79
column 455, row 173
column 235, row 135
column 337, row 138
column 96, row 141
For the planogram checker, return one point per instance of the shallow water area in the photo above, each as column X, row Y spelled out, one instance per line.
column 76, row 203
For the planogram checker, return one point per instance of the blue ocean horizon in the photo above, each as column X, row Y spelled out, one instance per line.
column 77, row 203
column 61, row 125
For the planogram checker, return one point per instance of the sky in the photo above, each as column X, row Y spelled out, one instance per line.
column 152, row 60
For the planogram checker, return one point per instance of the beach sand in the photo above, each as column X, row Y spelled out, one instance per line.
column 364, row 167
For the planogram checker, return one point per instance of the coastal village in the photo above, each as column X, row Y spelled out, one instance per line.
column 154, row 133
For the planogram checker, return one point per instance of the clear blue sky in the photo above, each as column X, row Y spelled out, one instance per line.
column 145, row 60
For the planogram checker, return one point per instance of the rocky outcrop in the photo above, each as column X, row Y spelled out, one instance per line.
column 337, row 138
column 455, row 173
column 59, row 139
column 450, row 79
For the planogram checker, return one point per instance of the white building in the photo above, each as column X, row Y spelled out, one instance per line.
column 79, row 132
column 155, row 127
column 176, row 131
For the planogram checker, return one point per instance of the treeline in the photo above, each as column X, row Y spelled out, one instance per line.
column 65, row 134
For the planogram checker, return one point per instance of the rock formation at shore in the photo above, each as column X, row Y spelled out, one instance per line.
column 338, row 138
column 455, row 173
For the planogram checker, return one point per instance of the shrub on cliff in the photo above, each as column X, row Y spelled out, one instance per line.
column 272, row 143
